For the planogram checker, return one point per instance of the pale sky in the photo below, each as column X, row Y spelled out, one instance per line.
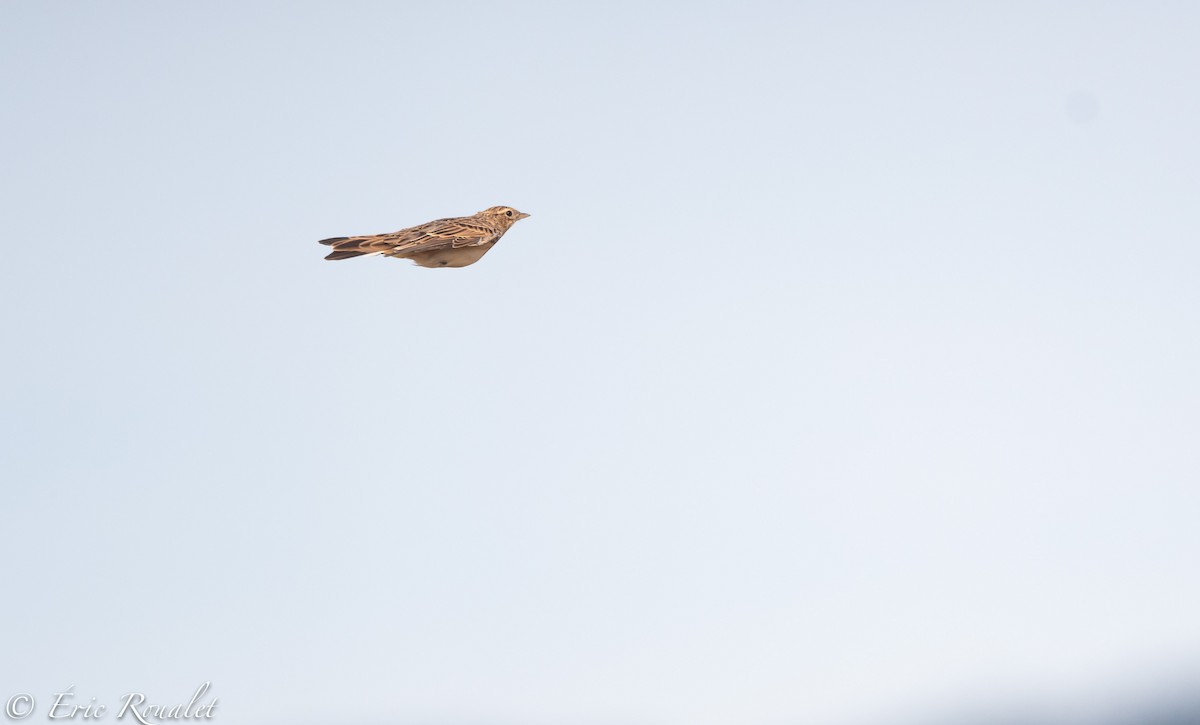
column 847, row 365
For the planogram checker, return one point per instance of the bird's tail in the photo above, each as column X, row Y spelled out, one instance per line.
column 350, row 247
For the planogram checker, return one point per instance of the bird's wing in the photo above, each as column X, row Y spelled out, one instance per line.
column 443, row 233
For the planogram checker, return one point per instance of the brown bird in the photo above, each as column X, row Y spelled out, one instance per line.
column 454, row 242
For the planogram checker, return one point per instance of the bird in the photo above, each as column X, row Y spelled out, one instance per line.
column 454, row 242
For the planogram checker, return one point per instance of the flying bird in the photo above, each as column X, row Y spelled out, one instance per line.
column 454, row 242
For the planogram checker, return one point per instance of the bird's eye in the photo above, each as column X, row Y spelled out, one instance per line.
column 508, row 213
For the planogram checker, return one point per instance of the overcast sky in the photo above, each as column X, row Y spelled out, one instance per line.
column 846, row 366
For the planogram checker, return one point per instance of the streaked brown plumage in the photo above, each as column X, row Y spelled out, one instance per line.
column 454, row 242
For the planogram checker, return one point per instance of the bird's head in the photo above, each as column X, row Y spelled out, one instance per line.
column 505, row 215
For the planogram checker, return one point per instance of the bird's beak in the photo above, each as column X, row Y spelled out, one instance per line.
column 523, row 215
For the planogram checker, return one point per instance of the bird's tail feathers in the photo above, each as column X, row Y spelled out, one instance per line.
column 345, row 254
column 350, row 247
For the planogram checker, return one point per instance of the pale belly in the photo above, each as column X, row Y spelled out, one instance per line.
column 460, row 257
